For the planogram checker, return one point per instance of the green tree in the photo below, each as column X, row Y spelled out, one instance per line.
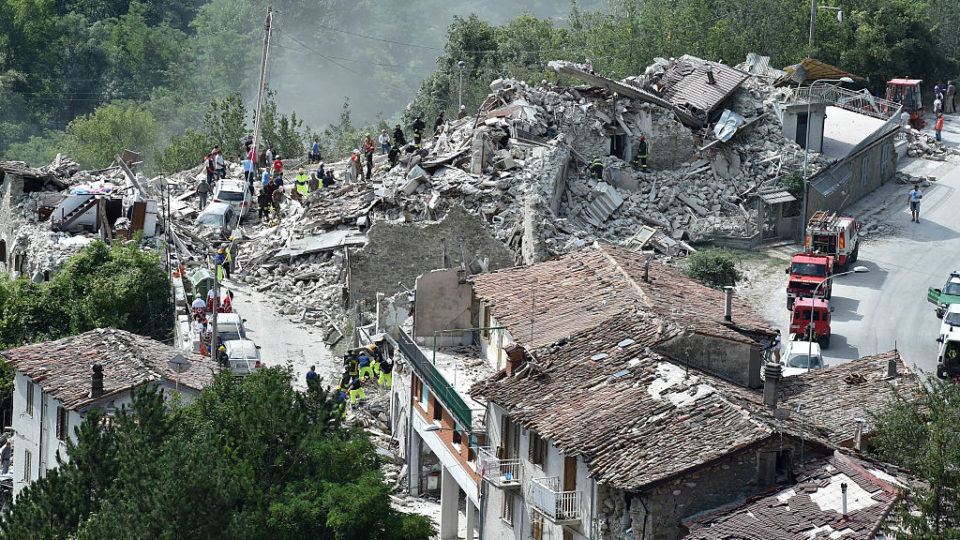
column 715, row 268
column 122, row 125
column 248, row 459
column 922, row 433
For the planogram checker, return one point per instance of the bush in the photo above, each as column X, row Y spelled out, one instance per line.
column 715, row 268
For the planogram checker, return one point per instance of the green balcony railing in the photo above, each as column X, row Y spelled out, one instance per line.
column 437, row 383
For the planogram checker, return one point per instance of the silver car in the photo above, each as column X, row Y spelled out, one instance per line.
column 243, row 356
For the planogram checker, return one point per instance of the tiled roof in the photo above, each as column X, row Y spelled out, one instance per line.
column 634, row 416
column 686, row 84
column 62, row 368
column 836, row 396
column 590, row 286
column 812, row 507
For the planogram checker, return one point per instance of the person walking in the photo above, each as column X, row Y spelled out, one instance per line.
column 950, row 98
column 939, row 126
column 913, row 198
column 203, row 189
column 248, row 170
column 398, row 138
column 384, row 141
column 386, row 373
column 277, row 166
column 640, row 162
column 228, row 302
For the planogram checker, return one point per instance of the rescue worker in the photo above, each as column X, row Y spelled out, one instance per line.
column 394, row 155
column 314, row 183
column 386, row 373
column 277, row 166
column 301, row 181
column 315, row 151
column 210, row 301
column 596, row 169
column 312, row 377
column 351, row 365
column 354, row 166
column 340, row 397
column 277, row 196
column 227, row 306
column 398, row 139
column 437, row 125
column 328, row 179
column 366, row 369
column 462, row 113
column 368, row 149
column 222, row 356
column 263, row 205
column 418, row 126
column 220, row 258
column 199, row 308
column 356, row 390
column 939, row 126
column 640, row 162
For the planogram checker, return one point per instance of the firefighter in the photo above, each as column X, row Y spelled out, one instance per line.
column 640, row 162
column 356, row 390
column 418, row 126
column 596, row 169
column 386, row 373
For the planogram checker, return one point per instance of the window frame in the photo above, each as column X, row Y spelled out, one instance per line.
column 28, row 465
column 506, row 509
column 63, row 419
column 536, row 449
column 31, row 395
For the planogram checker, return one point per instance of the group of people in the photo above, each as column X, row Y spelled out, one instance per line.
column 944, row 98
column 359, row 366
column 639, row 161
column 202, row 311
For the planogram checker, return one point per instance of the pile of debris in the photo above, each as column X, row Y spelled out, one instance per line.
column 920, row 144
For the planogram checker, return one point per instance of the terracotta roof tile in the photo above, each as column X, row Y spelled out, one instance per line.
column 62, row 368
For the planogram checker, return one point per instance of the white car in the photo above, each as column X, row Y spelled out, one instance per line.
column 951, row 320
column 243, row 356
column 801, row 357
column 235, row 193
column 230, row 326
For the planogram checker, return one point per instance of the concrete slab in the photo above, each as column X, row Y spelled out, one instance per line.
column 845, row 129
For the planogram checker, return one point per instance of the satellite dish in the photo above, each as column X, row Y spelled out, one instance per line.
column 839, row 16
column 179, row 364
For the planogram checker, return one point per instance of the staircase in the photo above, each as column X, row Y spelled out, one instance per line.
column 62, row 223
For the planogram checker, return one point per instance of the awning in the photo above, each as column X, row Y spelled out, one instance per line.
column 810, row 70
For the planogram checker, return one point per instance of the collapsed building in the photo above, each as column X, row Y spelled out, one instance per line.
column 48, row 214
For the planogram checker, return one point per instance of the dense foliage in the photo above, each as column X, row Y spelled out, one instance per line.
column 715, row 268
column 103, row 286
column 922, row 434
column 249, row 459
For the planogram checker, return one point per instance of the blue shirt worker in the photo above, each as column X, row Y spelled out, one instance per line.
column 312, row 376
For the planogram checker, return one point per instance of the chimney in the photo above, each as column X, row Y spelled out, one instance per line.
column 96, row 381
column 858, row 433
column 892, row 368
column 516, row 356
column 843, row 490
column 728, row 303
column 771, row 380
column 646, row 271
column 710, row 79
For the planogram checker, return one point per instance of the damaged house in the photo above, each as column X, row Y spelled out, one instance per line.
column 602, row 395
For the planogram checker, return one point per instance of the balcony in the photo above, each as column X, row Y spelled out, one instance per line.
column 560, row 507
column 502, row 473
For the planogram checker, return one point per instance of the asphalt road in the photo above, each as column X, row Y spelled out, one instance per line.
column 887, row 307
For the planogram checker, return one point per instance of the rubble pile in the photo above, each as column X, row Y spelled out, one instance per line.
column 922, row 145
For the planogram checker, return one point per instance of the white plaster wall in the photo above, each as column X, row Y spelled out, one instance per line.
column 491, row 347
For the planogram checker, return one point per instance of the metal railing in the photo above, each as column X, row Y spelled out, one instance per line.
column 432, row 377
column 861, row 102
column 499, row 472
column 557, row 505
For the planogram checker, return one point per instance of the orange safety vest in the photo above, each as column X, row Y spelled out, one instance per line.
column 940, row 123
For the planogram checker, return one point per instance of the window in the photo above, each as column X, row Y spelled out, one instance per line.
column 456, row 437
column 30, row 398
column 62, row 420
column 538, row 449
column 536, row 525
column 884, row 158
column 506, row 513
column 27, row 464
column 437, row 410
column 864, row 169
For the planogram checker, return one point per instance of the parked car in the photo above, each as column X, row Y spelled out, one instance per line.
column 801, row 358
column 233, row 192
column 948, row 355
column 219, row 216
column 230, row 327
column 243, row 356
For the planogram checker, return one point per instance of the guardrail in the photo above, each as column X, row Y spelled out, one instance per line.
column 499, row 472
column 557, row 505
column 861, row 102
column 432, row 377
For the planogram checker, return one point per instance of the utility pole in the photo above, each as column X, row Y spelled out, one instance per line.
column 813, row 24
column 214, row 349
column 263, row 82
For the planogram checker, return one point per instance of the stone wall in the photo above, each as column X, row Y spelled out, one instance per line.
column 398, row 253
column 658, row 513
column 444, row 300
column 734, row 361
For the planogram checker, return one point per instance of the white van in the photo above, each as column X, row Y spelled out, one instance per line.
column 235, row 193
column 948, row 356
